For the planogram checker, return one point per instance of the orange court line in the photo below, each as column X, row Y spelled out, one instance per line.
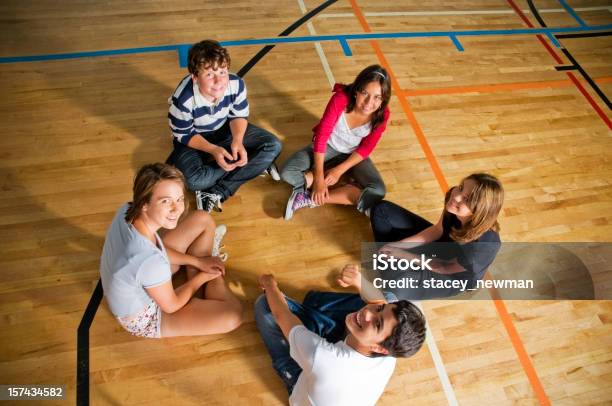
column 515, row 339
column 502, row 87
column 404, row 103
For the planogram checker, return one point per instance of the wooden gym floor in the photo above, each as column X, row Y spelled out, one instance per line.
column 76, row 130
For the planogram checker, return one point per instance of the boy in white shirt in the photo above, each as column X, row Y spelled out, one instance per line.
column 317, row 370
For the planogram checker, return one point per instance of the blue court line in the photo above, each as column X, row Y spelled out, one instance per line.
column 553, row 39
column 182, row 48
column 572, row 12
column 457, row 43
column 345, row 47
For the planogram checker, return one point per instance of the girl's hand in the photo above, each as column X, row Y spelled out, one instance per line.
column 209, row 275
column 333, row 176
column 212, row 265
column 350, row 276
column 392, row 250
column 320, row 193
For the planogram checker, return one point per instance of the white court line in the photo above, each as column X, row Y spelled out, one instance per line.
column 429, row 338
column 319, row 48
column 439, row 364
column 457, row 12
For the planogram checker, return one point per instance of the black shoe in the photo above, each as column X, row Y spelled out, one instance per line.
column 208, row 201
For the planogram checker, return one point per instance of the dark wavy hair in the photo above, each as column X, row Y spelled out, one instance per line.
column 145, row 181
column 206, row 54
column 409, row 334
column 373, row 73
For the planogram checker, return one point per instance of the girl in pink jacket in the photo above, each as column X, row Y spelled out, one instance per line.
column 352, row 124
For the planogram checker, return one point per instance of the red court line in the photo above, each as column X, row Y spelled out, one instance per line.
column 515, row 339
column 551, row 51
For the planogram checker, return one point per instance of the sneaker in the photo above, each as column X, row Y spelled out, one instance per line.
column 366, row 212
column 216, row 249
column 298, row 200
column 208, row 201
column 273, row 172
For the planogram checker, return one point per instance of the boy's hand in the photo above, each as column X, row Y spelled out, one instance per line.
column 239, row 154
column 220, row 155
column 267, row 281
column 350, row 276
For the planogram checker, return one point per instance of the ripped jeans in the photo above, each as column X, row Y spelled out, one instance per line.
column 323, row 313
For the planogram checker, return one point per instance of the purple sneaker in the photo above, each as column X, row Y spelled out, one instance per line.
column 298, row 200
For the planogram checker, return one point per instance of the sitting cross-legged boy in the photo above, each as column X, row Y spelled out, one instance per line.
column 215, row 146
column 334, row 349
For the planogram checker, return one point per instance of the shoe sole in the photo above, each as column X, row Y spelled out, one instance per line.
column 273, row 171
column 288, row 211
column 198, row 200
column 220, row 231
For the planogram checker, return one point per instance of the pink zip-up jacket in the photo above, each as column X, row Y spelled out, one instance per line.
column 337, row 104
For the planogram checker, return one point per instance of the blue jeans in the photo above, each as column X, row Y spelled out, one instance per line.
column 323, row 313
column 202, row 172
column 364, row 173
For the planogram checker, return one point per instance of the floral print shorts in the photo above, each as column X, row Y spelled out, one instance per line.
column 146, row 323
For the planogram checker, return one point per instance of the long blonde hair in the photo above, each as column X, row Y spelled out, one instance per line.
column 485, row 201
column 147, row 177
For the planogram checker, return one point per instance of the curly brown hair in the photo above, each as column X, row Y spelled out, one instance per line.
column 206, row 54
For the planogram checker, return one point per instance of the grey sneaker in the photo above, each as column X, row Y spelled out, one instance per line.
column 273, row 172
column 216, row 249
column 208, row 201
column 298, row 200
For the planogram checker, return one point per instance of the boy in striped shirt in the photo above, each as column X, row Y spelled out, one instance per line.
column 215, row 146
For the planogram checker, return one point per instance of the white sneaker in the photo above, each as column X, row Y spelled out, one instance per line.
column 216, row 249
column 273, row 172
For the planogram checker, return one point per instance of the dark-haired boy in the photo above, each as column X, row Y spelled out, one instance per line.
column 215, row 146
column 317, row 370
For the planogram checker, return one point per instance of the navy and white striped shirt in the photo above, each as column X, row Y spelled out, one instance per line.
column 190, row 113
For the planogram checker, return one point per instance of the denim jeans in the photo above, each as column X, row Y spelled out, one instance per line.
column 391, row 223
column 323, row 313
column 202, row 172
column 364, row 173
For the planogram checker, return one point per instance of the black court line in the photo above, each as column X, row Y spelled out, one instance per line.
column 585, row 35
column 94, row 302
column 591, row 82
column 564, row 68
column 535, row 13
column 262, row 52
column 575, row 65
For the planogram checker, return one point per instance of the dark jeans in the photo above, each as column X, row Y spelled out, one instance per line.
column 202, row 172
column 364, row 173
column 323, row 313
column 391, row 223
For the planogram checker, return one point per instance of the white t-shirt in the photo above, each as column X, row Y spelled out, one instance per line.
column 130, row 263
column 345, row 140
column 335, row 374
